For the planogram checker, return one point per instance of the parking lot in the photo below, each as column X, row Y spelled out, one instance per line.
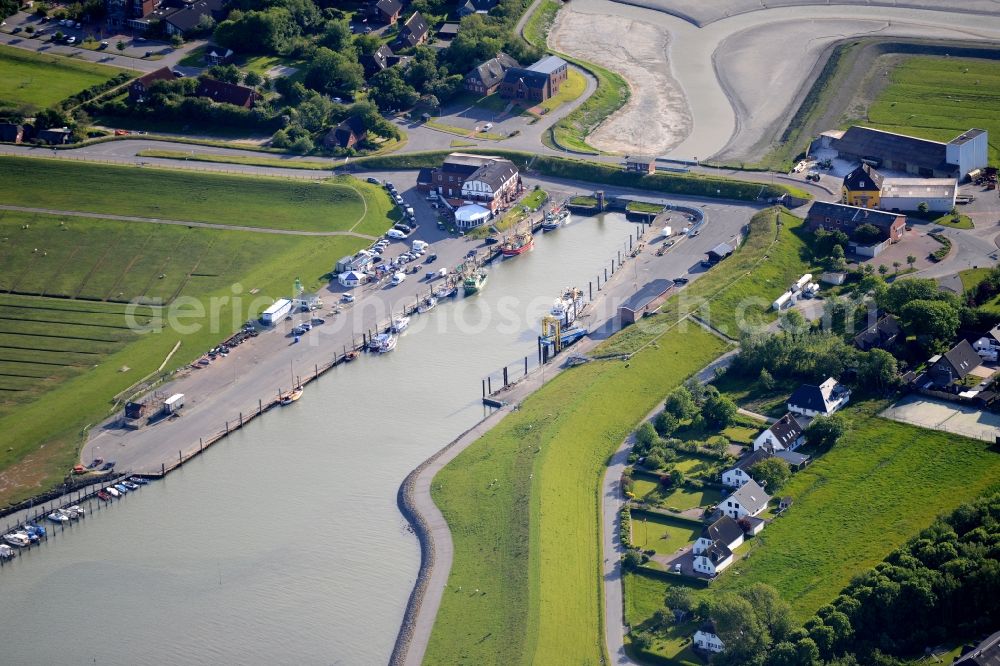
column 945, row 416
column 42, row 30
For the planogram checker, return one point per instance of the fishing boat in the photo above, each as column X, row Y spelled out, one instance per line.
column 399, row 324
column 519, row 244
column 556, row 218
column 568, row 306
column 427, row 305
column 292, row 396
column 6, row 552
column 350, row 356
column 446, row 291
column 57, row 517
column 19, row 539
column 383, row 343
column 474, row 283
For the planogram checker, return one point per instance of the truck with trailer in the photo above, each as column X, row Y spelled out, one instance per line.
column 172, row 404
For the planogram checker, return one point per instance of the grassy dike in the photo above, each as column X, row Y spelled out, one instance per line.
column 523, row 502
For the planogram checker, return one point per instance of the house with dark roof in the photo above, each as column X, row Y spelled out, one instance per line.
column 861, row 187
column 120, row 13
column 648, row 299
column 986, row 653
column 736, row 476
column 795, row 460
column 386, row 11
column 476, row 7
column 785, row 434
column 881, row 335
column 706, row 639
column 138, row 89
column 719, row 252
column 536, row 83
column 448, row 31
column 414, row 31
column 11, row 133
column 920, row 157
column 840, row 217
column 227, row 93
column 640, row 163
column 189, row 17
column 55, row 136
column 347, row 134
column 747, row 500
column 491, row 182
column 954, row 365
column 487, row 76
column 377, row 61
column 823, row 400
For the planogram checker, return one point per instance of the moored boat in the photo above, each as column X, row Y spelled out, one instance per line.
column 383, row 343
column 18, row 539
column 427, row 304
column 399, row 324
column 57, row 517
column 446, row 291
column 6, row 552
column 568, row 306
column 111, row 490
column 566, row 337
column 519, row 244
column 474, row 283
column 292, row 396
column 556, row 218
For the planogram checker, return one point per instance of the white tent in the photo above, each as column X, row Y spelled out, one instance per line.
column 471, row 215
column 352, row 279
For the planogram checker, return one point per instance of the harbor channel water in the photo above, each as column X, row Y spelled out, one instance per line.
column 283, row 542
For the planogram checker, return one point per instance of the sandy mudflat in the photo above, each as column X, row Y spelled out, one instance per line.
column 657, row 117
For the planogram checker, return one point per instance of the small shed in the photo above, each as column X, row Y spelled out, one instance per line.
column 352, row 279
column 647, row 299
column 719, row 252
column 640, row 163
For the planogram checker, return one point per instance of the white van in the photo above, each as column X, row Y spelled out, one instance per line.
column 420, row 246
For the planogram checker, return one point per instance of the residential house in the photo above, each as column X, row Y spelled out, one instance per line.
column 706, row 639
column 536, row 83
column 347, row 134
column 138, row 89
column 747, row 500
column 822, row 400
column 386, row 11
column 227, row 93
column 785, row 434
column 920, row 157
column 640, row 163
column 954, row 365
column 986, row 653
column 840, row 217
column 861, row 187
column 55, row 136
column 11, row 133
column 491, row 182
column 476, row 7
column 120, row 12
column 739, row 474
column 377, row 61
column 190, row 17
column 487, row 76
column 795, row 460
column 414, row 31
column 881, row 335
column 448, row 31
column 713, row 551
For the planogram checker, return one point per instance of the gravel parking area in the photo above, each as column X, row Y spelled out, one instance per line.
column 945, row 416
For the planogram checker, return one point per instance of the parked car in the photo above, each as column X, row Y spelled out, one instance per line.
column 348, row 298
column 395, row 234
column 681, row 280
column 373, row 181
column 110, row 465
column 103, row 45
column 71, row 40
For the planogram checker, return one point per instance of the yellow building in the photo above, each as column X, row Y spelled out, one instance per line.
column 862, row 187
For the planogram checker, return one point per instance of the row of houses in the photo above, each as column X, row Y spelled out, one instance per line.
column 217, row 91
column 505, row 75
column 179, row 17
column 867, row 188
column 26, row 132
column 492, row 183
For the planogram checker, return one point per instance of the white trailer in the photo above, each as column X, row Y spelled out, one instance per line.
column 276, row 312
column 173, row 403
column 419, row 246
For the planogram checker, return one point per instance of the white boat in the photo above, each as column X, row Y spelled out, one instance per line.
column 69, row 513
column 112, row 491
column 383, row 343
column 19, row 539
column 76, row 508
column 292, row 396
column 6, row 552
column 568, row 306
column 400, row 324
column 427, row 305
column 57, row 517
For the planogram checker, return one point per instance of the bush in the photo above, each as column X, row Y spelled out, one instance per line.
column 665, row 424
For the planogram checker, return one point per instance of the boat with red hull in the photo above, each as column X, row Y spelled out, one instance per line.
column 519, row 244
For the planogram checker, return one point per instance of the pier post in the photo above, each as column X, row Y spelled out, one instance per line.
column 227, row 427
column 201, row 444
column 539, row 351
column 316, row 368
column 590, row 287
column 179, row 458
column 605, row 277
column 260, row 406
column 489, row 385
column 525, row 366
column 241, row 419
column 630, row 242
column 163, row 469
column 505, row 376
column 484, row 388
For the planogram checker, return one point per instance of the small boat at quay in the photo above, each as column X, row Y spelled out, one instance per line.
column 519, row 244
column 383, row 343
column 446, row 291
column 474, row 283
column 18, row 539
column 111, row 490
column 556, row 218
column 6, row 552
column 400, row 324
column 427, row 305
column 57, row 517
column 568, row 306
column 292, row 396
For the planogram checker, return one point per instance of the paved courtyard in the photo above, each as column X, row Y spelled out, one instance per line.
column 945, row 416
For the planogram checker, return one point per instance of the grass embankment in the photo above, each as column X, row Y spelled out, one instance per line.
column 284, row 163
column 938, row 98
column 461, row 131
column 569, row 91
column 532, row 202
column 523, row 504
column 643, row 207
column 65, row 358
column 29, row 78
column 536, row 28
column 341, row 204
column 738, row 292
column 571, row 132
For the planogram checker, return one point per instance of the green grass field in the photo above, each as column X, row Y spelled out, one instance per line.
column 571, row 89
column 64, row 348
column 659, row 533
column 342, row 204
column 571, row 132
column 33, row 79
column 938, row 98
column 530, row 542
column 644, row 596
column 281, row 162
column 737, row 293
column 643, row 207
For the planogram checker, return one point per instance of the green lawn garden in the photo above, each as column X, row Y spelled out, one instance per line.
column 938, row 98
column 341, row 204
column 660, row 533
column 29, row 78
